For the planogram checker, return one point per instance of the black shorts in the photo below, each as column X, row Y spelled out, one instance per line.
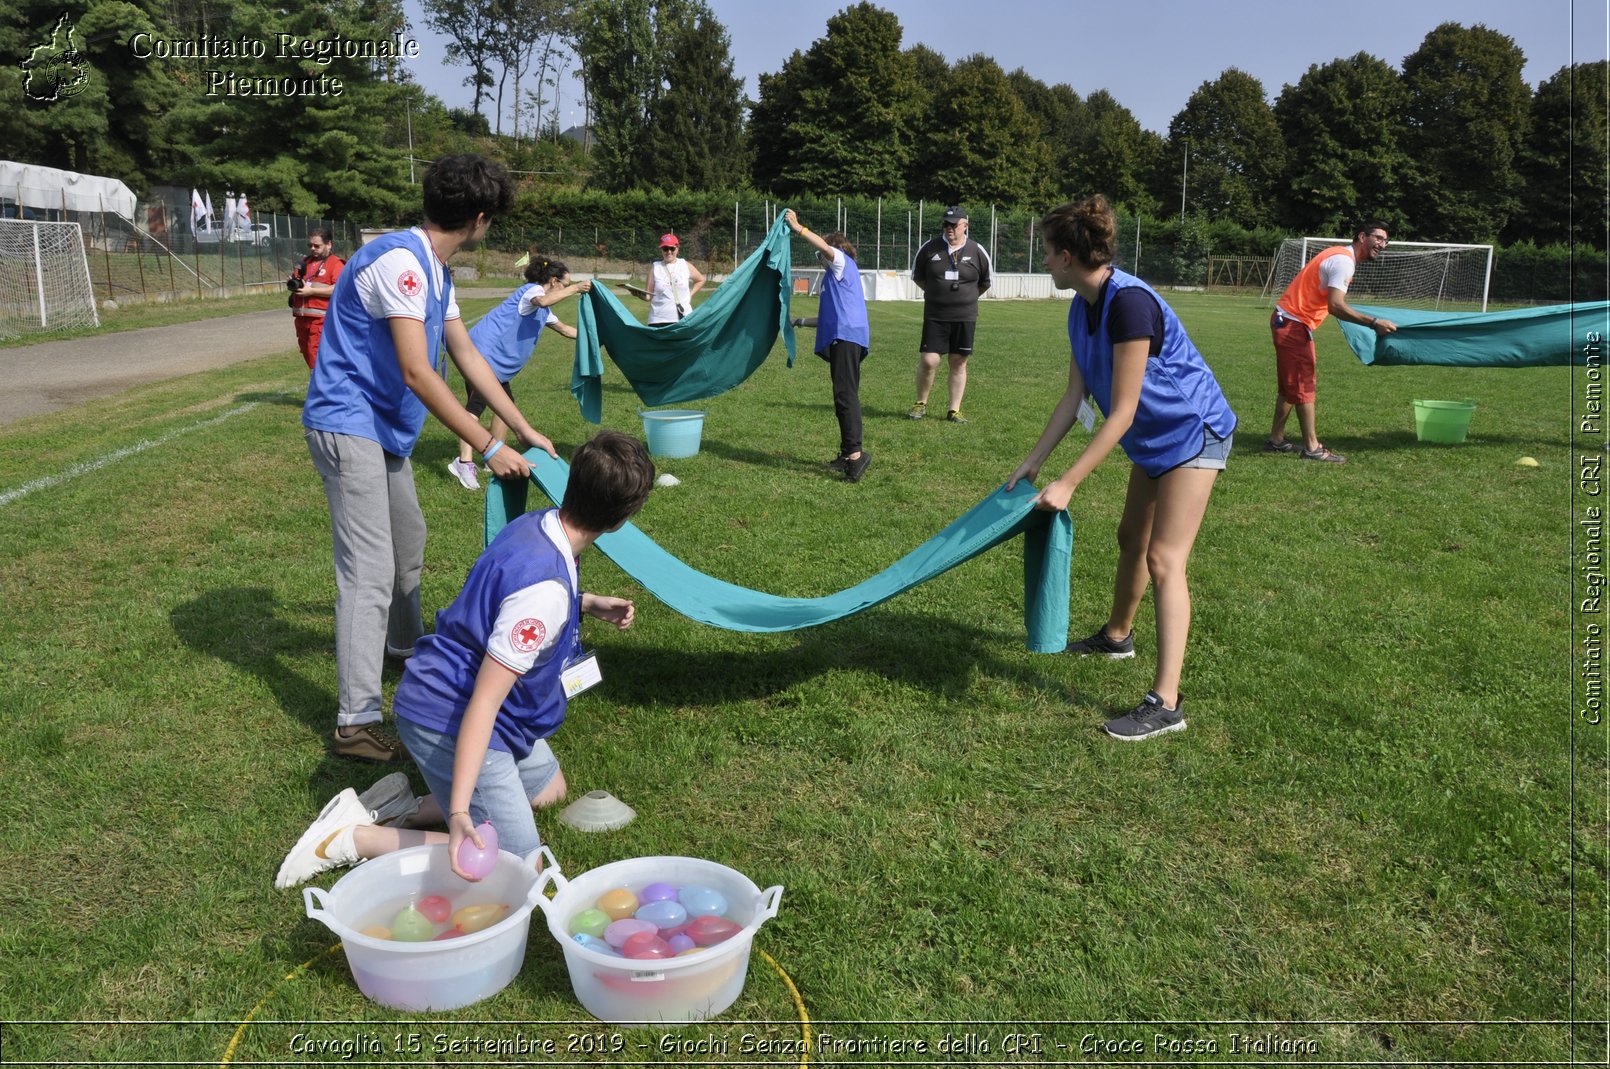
column 940, row 337
column 476, row 403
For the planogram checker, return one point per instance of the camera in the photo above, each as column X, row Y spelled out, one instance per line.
column 293, row 283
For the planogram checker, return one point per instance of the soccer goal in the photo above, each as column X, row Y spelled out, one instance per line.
column 44, row 278
column 1409, row 274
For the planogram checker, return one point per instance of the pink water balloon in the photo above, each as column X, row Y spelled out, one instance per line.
column 479, row 862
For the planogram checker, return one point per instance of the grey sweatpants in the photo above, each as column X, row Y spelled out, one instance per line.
column 379, row 541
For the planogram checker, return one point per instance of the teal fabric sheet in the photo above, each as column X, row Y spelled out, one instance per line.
column 1528, row 337
column 717, row 346
column 1003, row 515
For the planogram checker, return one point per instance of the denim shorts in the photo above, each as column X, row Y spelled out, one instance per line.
column 1215, row 451
column 503, row 791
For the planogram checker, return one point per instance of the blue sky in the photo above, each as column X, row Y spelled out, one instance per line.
column 1150, row 54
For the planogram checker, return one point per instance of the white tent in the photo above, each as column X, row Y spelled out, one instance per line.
column 33, row 186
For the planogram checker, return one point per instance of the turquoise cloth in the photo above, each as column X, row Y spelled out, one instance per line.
column 1528, row 337
column 717, row 346
column 1047, row 558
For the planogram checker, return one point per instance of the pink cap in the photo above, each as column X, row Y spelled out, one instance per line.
column 669, row 239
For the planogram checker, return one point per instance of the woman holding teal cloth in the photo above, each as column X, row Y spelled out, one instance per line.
column 1163, row 406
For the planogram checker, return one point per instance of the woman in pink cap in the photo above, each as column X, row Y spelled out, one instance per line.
column 670, row 296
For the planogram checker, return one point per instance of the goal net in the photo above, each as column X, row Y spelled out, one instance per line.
column 44, row 278
column 1409, row 274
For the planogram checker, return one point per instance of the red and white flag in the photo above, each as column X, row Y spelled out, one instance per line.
column 198, row 211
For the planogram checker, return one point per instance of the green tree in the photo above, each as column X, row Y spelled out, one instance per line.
column 1059, row 116
column 694, row 135
column 473, row 29
column 105, row 124
column 1343, row 123
column 1112, row 154
column 615, row 42
column 307, row 153
column 1467, row 112
column 838, row 118
column 1564, row 161
column 1236, row 152
column 982, row 145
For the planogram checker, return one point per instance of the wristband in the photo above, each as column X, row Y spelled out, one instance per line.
column 486, row 454
column 456, row 812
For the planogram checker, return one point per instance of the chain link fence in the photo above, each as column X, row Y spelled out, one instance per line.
column 157, row 256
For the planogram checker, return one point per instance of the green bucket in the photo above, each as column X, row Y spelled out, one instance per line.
column 1442, row 421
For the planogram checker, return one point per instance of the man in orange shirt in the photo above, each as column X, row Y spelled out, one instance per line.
column 1319, row 290
column 311, row 285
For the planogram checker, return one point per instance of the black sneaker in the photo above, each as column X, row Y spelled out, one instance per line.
column 1100, row 645
column 1150, row 717
column 1323, row 455
column 839, row 464
column 857, row 467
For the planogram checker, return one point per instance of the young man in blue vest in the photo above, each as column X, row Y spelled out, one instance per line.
column 379, row 372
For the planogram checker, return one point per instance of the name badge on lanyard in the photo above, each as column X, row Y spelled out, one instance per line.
column 1086, row 414
column 580, row 673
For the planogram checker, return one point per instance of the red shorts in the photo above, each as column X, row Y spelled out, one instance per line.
column 1295, row 367
column 308, row 329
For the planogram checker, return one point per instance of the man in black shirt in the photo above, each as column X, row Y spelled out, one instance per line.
column 953, row 272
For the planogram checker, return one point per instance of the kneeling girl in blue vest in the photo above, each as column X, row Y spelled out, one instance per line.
column 482, row 695
column 1163, row 406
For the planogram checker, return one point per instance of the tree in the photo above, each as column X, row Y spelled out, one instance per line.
column 838, row 118
column 1235, row 150
column 71, row 124
column 694, row 136
column 1564, row 161
column 1059, row 115
column 615, row 41
column 1467, row 112
column 1342, row 123
column 472, row 26
column 1112, row 154
column 982, row 145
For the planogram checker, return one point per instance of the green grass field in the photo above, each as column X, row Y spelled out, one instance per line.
column 1379, row 838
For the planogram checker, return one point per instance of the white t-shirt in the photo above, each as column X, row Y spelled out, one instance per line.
column 1336, row 273
column 531, row 620
column 392, row 286
column 835, row 264
column 670, row 291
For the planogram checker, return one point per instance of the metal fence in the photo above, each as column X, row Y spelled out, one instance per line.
column 158, row 256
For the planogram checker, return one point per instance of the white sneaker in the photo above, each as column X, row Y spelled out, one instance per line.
column 464, row 471
column 327, row 843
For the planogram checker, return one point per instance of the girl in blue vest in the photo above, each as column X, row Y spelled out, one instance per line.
column 483, row 693
column 842, row 339
column 1163, row 406
column 507, row 336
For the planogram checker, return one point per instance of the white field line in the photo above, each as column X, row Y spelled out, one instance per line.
column 98, row 463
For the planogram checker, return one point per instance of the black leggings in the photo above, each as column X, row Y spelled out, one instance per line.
column 844, row 360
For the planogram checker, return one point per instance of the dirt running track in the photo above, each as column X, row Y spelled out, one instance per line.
column 56, row 374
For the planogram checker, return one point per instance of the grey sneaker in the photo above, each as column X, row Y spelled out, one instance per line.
column 955, row 416
column 464, row 472
column 1150, row 717
column 390, row 800
column 918, row 410
column 1323, row 455
column 1099, row 645
column 1285, row 445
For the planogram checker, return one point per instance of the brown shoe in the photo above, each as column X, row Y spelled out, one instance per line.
column 370, row 742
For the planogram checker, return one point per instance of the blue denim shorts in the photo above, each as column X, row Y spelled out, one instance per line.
column 1215, row 451
column 503, row 791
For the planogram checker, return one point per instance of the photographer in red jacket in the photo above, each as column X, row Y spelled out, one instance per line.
column 311, row 285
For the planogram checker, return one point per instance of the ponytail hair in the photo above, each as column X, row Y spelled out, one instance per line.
column 1087, row 229
column 541, row 270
